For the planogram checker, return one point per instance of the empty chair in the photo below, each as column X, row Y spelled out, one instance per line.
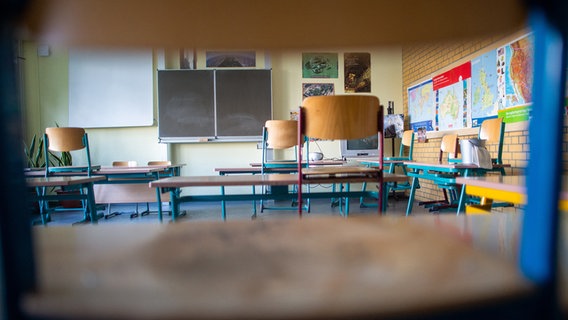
column 405, row 154
column 341, row 117
column 159, row 163
column 449, row 151
column 64, row 140
column 124, row 163
column 280, row 135
column 492, row 132
column 59, row 143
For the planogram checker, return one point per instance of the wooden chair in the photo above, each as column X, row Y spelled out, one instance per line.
column 404, row 154
column 159, row 163
column 407, row 142
column 449, row 153
column 59, row 143
column 281, row 135
column 341, row 117
column 493, row 131
column 124, row 163
column 65, row 140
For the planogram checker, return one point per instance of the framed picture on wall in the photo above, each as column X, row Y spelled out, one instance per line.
column 230, row 59
column 317, row 89
column 319, row 65
column 357, row 67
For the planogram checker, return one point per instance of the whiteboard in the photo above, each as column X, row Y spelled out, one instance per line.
column 110, row 88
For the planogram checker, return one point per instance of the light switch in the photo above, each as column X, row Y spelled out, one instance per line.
column 43, row 50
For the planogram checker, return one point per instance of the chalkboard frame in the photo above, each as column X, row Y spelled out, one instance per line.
column 213, row 105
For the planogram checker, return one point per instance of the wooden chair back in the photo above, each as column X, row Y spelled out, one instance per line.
column 407, row 141
column 130, row 163
column 341, row 117
column 450, row 147
column 160, row 163
column 281, row 134
column 65, row 139
column 493, row 132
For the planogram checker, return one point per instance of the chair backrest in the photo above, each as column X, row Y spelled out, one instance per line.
column 130, row 163
column 493, row 131
column 65, row 139
column 160, row 163
column 407, row 141
column 280, row 135
column 450, row 147
column 340, row 117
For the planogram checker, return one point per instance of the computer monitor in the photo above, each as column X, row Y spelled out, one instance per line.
column 368, row 147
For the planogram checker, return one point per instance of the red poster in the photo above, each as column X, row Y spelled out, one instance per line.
column 452, row 76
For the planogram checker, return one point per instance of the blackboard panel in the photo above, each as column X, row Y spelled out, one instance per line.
column 244, row 102
column 186, row 103
column 214, row 104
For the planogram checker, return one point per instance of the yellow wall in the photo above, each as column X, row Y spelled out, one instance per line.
column 46, row 103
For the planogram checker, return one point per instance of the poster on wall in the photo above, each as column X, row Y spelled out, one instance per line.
column 515, row 79
column 486, row 101
column 319, row 65
column 421, row 107
column 230, row 59
column 317, row 89
column 357, row 67
column 452, row 97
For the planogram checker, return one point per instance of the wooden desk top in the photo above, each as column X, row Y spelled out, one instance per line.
column 314, row 267
column 253, row 180
column 509, row 184
column 312, row 163
column 252, row 170
column 107, row 170
column 442, row 166
column 61, row 181
column 497, row 182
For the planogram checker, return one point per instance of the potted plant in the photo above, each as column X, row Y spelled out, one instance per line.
column 34, row 153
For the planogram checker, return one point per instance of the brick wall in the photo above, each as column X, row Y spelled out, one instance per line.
column 420, row 62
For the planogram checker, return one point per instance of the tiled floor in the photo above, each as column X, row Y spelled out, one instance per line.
column 235, row 210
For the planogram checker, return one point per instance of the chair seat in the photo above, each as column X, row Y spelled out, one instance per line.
column 340, row 171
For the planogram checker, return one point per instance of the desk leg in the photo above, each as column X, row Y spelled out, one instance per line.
column 463, row 196
column 347, row 188
column 159, row 199
column 253, row 204
column 411, row 196
column 174, row 193
column 223, row 207
column 385, row 194
column 91, row 204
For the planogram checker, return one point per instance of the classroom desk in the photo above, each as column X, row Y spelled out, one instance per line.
column 501, row 188
column 82, row 182
column 126, row 184
column 436, row 172
column 312, row 163
column 310, row 268
column 174, row 184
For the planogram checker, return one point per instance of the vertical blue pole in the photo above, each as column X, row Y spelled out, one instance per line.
column 538, row 254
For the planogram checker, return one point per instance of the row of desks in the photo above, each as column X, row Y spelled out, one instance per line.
column 174, row 184
column 103, row 185
column 142, row 175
